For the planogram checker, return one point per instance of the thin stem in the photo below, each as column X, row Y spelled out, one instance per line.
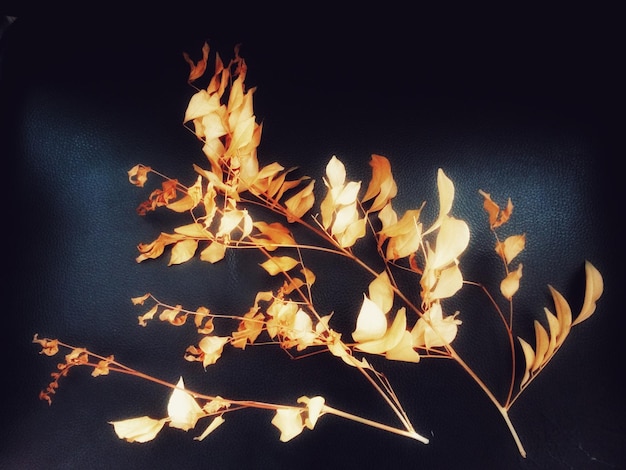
column 375, row 424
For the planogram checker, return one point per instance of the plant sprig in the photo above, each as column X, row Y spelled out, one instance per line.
column 391, row 323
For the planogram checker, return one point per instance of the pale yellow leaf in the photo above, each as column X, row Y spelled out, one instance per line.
column 449, row 282
column 510, row 284
column 141, row 429
column 511, row 247
column 289, row 421
column 381, row 292
column 432, row 329
column 315, row 408
column 446, row 198
column 213, row 425
column 279, row 264
column 182, row 408
column 335, row 173
column 403, row 351
column 390, row 339
column 593, row 291
column 371, row 323
column 452, row 239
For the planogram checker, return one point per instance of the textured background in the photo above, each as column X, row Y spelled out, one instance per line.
column 520, row 103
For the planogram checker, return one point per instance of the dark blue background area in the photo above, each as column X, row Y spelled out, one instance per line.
column 522, row 103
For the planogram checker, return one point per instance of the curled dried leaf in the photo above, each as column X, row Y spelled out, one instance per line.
column 593, row 291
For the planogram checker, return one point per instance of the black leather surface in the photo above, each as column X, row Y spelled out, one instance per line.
column 520, row 104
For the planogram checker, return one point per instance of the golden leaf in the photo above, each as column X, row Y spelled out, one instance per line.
column 149, row 315
column 279, row 264
column 49, row 347
column 405, row 235
column 510, row 284
column 300, row 203
column 511, row 247
column 212, row 347
column 141, row 429
column 103, row 367
column 593, row 291
column 173, row 316
column 250, row 327
column 183, row 251
column 140, row 300
column 371, row 323
column 529, row 356
column 563, row 315
column 182, row 408
column 542, row 346
column 214, row 252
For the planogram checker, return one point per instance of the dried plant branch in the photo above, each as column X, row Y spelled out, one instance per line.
column 391, row 323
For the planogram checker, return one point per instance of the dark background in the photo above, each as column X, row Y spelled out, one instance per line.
column 520, row 102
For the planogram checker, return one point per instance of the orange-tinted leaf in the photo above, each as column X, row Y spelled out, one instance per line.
column 563, row 314
column 173, row 316
column 183, row 251
column 249, row 329
column 497, row 217
column 301, row 202
column 382, row 185
column 49, row 347
column 197, row 69
column 279, row 264
column 103, row 367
